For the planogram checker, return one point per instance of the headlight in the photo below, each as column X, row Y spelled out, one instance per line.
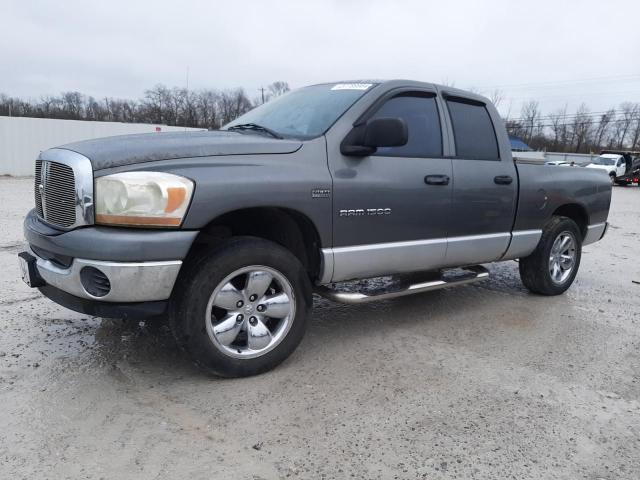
column 142, row 198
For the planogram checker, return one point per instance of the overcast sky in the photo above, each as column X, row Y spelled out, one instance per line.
column 555, row 51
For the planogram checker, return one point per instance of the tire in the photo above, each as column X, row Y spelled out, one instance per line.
column 613, row 179
column 536, row 269
column 208, row 342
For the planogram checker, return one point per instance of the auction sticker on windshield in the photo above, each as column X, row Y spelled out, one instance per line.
column 351, row 86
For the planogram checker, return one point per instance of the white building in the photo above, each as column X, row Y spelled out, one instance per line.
column 23, row 138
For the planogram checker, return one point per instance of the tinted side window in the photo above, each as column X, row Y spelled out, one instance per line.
column 421, row 114
column 473, row 131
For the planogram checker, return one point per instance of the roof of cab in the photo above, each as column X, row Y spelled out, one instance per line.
column 399, row 83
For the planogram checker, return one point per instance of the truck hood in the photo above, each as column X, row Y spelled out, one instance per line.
column 150, row 147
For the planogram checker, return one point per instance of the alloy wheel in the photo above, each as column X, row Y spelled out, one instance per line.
column 250, row 311
column 562, row 258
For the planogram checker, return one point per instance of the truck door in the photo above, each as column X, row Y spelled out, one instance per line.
column 621, row 167
column 391, row 209
column 485, row 185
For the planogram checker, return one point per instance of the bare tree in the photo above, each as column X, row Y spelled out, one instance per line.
column 207, row 107
column 558, row 126
column 496, row 97
column 629, row 111
column 634, row 140
column 153, row 103
column 73, row 105
column 232, row 104
column 581, row 128
column 602, row 128
column 530, row 119
column 278, row 88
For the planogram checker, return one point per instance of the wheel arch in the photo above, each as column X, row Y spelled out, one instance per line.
column 287, row 227
column 577, row 213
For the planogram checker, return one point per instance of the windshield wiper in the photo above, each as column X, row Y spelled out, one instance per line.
column 255, row 127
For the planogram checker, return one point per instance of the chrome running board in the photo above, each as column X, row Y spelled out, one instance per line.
column 471, row 274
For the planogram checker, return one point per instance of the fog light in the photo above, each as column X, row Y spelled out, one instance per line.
column 94, row 281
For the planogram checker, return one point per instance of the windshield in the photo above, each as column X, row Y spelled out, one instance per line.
column 604, row 161
column 307, row 112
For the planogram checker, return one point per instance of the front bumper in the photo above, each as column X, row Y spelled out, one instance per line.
column 128, row 281
column 129, row 266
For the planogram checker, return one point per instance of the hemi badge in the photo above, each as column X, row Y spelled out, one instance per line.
column 320, row 193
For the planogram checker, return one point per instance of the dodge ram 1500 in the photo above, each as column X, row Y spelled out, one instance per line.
column 228, row 233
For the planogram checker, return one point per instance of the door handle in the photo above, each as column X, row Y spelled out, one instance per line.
column 436, row 180
column 503, row 179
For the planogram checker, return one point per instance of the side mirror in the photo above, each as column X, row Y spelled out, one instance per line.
column 385, row 132
column 377, row 132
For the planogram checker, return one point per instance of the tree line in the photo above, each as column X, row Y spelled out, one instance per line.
column 581, row 131
column 203, row 108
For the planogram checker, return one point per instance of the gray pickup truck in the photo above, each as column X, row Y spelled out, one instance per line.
column 229, row 233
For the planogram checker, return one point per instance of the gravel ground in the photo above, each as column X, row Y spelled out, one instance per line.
column 479, row 382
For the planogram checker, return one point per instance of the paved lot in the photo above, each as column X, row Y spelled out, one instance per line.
column 481, row 382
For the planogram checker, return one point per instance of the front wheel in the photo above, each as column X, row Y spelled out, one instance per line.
column 553, row 265
column 242, row 308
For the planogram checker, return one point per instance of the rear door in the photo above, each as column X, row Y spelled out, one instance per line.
column 484, row 186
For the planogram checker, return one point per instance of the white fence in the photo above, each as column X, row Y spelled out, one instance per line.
column 578, row 158
column 23, row 138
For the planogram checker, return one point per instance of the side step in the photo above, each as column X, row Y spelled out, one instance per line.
column 471, row 274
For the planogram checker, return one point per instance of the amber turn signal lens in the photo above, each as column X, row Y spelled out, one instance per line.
column 176, row 196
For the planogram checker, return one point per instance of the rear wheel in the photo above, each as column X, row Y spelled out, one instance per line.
column 553, row 265
column 242, row 308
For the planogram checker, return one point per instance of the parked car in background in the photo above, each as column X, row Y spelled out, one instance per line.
column 621, row 166
column 229, row 232
column 632, row 170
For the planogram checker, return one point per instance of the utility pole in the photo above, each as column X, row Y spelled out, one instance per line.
column 262, row 92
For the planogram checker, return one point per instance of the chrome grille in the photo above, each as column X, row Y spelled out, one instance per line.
column 36, row 188
column 55, row 193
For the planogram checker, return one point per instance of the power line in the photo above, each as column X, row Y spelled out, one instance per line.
column 608, row 93
column 630, row 76
column 528, row 125
column 567, row 116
